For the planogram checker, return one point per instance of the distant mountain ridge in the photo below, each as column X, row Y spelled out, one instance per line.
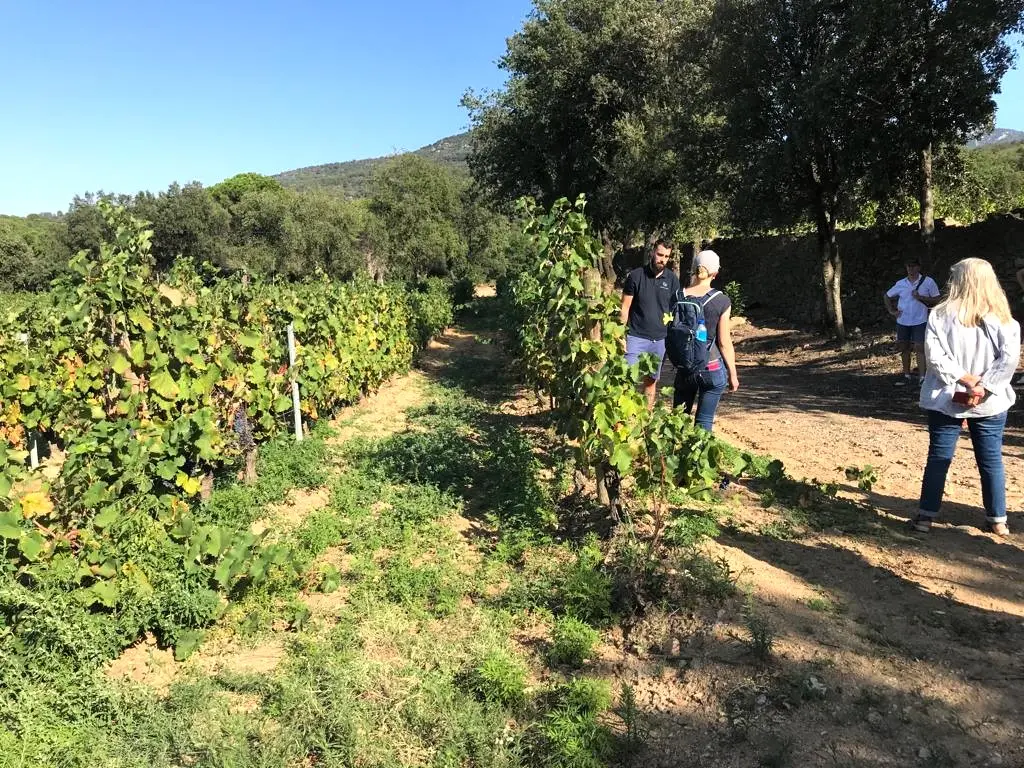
column 352, row 178
column 998, row 136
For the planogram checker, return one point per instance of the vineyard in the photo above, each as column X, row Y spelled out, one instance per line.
column 149, row 390
column 485, row 551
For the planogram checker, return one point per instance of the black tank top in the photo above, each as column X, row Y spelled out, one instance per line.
column 713, row 311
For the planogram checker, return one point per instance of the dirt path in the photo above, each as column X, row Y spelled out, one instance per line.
column 928, row 628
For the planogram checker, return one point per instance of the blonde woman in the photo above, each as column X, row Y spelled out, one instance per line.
column 972, row 345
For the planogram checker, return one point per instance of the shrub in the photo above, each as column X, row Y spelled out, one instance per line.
column 499, row 678
column 430, row 310
column 735, row 293
column 572, row 642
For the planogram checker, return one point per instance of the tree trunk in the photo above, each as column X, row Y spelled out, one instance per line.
column 606, row 266
column 593, row 289
column 927, row 199
column 249, row 472
column 831, row 273
column 206, row 486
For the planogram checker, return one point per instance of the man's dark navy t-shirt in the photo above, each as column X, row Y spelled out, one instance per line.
column 652, row 300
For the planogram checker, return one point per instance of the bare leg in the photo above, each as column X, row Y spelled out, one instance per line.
column 922, row 362
column 651, row 392
column 905, row 352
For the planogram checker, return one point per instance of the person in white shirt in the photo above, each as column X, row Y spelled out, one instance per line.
column 973, row 346
column 908, row 301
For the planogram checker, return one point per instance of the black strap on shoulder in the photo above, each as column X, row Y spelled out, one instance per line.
column 708, row 297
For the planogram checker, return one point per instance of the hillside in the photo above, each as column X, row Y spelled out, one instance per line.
column 352, row 178
column 998, row 137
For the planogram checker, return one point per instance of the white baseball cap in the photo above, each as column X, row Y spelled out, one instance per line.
column 709, row 260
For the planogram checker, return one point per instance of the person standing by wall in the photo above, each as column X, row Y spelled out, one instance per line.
column 973, row 346
column 705, row 388
column 646, row 304
column 908, row 301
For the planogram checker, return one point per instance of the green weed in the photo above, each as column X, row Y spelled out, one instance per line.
column 499, row 678
column 761, row 640
column 572, row 641
column 570, row 733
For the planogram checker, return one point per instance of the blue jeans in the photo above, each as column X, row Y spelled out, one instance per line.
column 705, row 389
column 987, row 438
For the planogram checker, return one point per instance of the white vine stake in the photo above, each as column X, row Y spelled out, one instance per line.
column 33, row 441
column 295, row 383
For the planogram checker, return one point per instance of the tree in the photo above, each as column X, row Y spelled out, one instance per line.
column 84, row 226
column 491, row 238
column 32, row 252
column 18, row 266
column 939, row 64
column 320, row 232
column 232, row 190
column 795, row 78
column 187, row 222
column 418, row 203
column 606, row 98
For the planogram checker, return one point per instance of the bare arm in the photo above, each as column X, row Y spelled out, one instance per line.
column 627, row 302
column 891, row 305
column 725, row 346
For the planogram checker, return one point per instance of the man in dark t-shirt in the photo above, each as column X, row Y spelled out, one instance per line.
column 646, row 310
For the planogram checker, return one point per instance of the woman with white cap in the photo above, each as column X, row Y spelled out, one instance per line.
column 705, row 388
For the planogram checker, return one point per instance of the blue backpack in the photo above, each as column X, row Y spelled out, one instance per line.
column 687, row 342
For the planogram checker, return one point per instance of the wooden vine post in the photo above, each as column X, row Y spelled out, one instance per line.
column 592, row 290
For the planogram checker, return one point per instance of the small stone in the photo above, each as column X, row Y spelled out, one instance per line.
column 924, row 753
column 995, row 759
column 874, row 717
column 762, row 700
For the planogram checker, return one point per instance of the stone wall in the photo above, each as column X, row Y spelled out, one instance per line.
column 783, row 275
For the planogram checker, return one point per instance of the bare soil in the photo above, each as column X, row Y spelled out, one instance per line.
column 890, row 648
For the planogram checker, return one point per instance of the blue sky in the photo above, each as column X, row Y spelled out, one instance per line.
column 124, row 96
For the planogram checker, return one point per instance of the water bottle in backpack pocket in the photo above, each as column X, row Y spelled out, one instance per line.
column 687, row 342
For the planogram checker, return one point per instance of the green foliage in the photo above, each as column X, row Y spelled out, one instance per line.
column 566, row 582
column 32, row 252
column 353, row 179
column 634, row 721
column 430, row 310
column 689, row 529
column 499, row 678
column 865, row 476
column 971, row 184
column 572, row 641
column 595, row 103
column 594, row 391
column 571, row 734
column 419, row 205
column 739, row 301
column 238, row 186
